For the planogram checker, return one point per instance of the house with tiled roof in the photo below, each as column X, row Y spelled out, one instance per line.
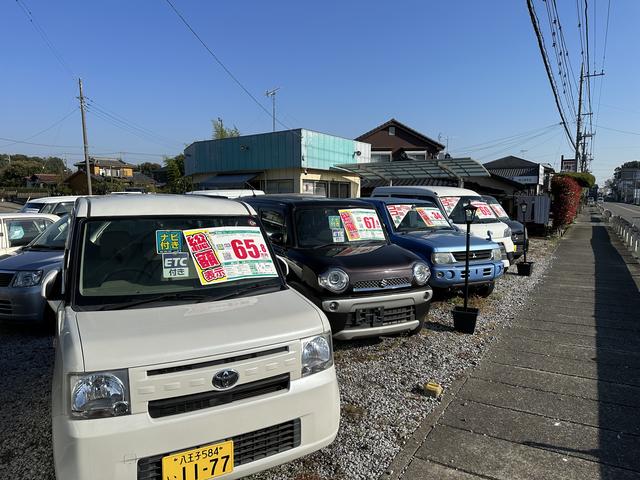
column 535, row 176
column 107, row 167
column 393, row 140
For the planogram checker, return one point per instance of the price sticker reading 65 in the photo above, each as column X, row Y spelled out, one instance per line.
column 247, row 248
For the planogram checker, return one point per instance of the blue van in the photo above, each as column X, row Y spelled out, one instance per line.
column 421, row 227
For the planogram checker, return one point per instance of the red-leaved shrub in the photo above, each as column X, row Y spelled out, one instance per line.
column 566, row 200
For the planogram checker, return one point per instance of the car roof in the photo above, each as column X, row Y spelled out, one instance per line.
column 301, row 199
column 440, row 191
column 28, row 215
column 67, row 198
column 165, row 205
column 397, row 200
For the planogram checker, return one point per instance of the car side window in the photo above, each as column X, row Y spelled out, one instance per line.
column 274, row 224
column 63, row 208
column 21, row 232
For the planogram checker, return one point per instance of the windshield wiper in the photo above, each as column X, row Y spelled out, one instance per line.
column 325, row 245
column 238, row 292
column 42, row 247
column 158, row 298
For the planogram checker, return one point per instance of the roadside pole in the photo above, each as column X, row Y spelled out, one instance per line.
column 84, row 138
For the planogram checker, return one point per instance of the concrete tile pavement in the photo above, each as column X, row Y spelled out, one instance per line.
column 558, row 396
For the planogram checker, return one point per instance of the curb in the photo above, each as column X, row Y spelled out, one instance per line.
column 409, row 449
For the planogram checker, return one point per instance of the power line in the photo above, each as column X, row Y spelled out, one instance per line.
column 545, row 59
column 27, row 11
column 215, row 57
column 504, row 140
column 130, row 128
column 44, row 130
column 561, row 54
column 228, row 71
column 619, row 131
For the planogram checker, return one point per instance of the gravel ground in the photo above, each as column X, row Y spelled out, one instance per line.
column 380, row 405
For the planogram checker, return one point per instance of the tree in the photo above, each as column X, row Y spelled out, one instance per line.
column 177, row 183
column 148, row 167
column 220, row 131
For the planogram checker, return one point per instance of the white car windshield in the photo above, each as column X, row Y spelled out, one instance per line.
column 127, row 261
column 454, row 208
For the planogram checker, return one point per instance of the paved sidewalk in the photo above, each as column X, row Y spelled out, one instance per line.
column 558, row 396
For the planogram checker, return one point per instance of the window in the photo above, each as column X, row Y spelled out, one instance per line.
column 274, row 224
column 21, row 232
column 417, row 155
column 392, row 130
column 380, row 156
column 278, row 186
column 339, row 190
column 314, row 187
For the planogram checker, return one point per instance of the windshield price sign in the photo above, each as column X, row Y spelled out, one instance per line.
column 361, row 224
column 484, row 211
column 398, row 212
column 432, row 217
column 449, row 203
column 223, row 254
column 498, row 210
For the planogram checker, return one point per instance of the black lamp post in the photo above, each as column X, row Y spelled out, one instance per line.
column 524, row 267
column 464, row 319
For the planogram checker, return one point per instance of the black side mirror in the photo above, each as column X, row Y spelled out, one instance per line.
column 52, row 286
column 277, row 238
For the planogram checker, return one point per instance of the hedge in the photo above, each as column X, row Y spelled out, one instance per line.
column 584, row 179
column 566, row 193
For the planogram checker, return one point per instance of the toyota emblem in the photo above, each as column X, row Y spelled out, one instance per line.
column 225, row 379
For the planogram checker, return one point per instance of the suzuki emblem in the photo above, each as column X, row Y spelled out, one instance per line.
column 225, row 379
column 383, row 283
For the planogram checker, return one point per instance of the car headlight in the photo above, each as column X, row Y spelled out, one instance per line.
column 317, row 354
column 27, row 278
column 99, row 394
column 442, row 258
column 507, row 232
column 334, row 280
column 421, row 273
column 496, row 254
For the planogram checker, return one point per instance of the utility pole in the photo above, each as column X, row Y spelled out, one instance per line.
column 84, row 138
column 579, row 119
column 272, row 94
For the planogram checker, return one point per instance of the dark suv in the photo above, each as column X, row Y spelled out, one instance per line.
column 340, row 258
column 517, row 228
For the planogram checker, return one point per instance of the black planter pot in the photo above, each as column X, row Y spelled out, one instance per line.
column 525, row 268
column 464, row 320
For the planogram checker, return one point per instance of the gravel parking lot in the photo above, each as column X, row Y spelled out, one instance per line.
column 380, row 405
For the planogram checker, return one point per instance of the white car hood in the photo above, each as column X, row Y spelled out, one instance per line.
column 149, row 336
column 482, row 230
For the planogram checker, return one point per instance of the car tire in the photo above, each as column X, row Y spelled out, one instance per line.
column 420, row 326
column 485, row 290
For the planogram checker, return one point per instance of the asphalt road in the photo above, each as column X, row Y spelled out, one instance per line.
column 631, row 213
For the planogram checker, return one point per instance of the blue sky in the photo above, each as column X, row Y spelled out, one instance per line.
column 465, row 69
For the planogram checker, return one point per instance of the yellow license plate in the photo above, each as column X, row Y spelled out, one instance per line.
column 200, row 463
column 515, row 248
